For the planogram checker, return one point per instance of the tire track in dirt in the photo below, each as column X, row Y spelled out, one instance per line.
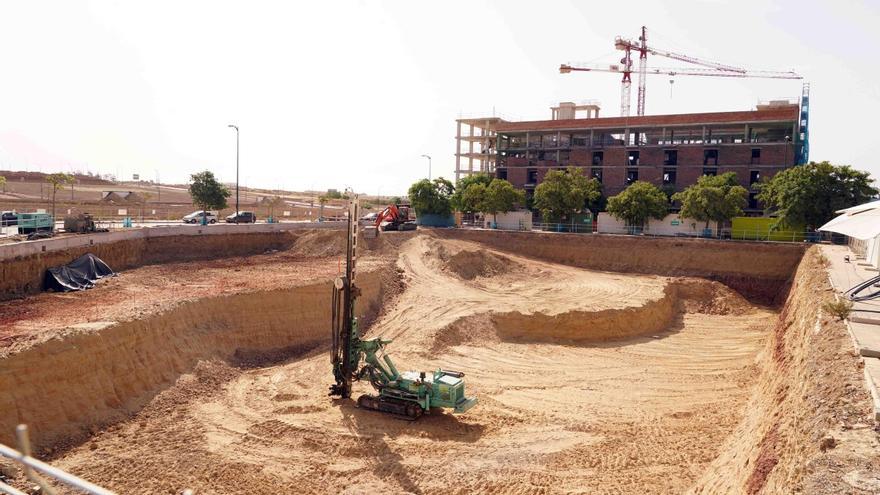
column 644, row 415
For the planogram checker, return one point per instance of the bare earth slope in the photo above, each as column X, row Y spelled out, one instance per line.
column 645, row 408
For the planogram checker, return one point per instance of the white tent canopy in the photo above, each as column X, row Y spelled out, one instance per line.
column 861, row 222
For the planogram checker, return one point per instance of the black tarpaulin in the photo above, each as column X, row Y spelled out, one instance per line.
column 79, row 274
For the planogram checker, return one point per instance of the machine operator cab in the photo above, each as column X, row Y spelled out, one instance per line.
column 446, row 389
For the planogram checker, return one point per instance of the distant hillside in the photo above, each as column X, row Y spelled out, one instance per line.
column 21, row 176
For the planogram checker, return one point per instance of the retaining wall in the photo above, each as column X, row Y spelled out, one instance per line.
column 23, row 265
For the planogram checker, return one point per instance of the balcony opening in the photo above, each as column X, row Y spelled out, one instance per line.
column 596, row 173
column 670, row 157
column 710, row 157
column 756, row 156
column 598, row 157
column 632, row 175
column 754, row 177
column 669, row 176
column 532, row 176
column 712, row 171
column 501, row 173
column 632, row 158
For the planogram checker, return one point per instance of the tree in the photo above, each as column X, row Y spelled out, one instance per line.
column 467, row 203
column 638, row 203
column 500, row 196
column 471, row 201
column 717, row 198
column 566, row 193
column 206, row 192
column 808, row 195
column 58, row 181
column 431, row 197
column 277, row 202
column 3, row 183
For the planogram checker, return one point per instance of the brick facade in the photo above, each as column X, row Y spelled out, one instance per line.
column 775, row 150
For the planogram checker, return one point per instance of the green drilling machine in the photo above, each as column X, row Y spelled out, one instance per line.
column 409, row 394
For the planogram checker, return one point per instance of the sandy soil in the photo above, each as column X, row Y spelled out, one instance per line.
column 141, row 292
column 641, row 415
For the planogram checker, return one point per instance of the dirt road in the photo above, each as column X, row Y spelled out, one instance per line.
column 642, row 415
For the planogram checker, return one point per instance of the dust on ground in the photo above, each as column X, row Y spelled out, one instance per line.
column 646, row 415
column 141, row 292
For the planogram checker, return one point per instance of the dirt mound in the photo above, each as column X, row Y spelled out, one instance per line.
column 472, row 264
column 708, row 297
column 319, row 244
column 472, row 329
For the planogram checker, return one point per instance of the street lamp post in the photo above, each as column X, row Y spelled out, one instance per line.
column 429, row 165
column 236, row 170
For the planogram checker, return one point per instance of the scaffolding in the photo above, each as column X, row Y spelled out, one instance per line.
column 477, row 144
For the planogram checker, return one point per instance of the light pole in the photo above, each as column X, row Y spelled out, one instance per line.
column 236, row 170
column 429, row 165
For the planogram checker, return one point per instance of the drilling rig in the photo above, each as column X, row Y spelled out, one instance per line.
column 409, row 394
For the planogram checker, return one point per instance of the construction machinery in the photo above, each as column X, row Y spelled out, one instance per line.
column 30, row 223
column 395, row 217
column 409, row 394
column 625, row 67
column 82, row 223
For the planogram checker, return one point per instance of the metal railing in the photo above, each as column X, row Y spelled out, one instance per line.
column 762, row 235
column 574, row 227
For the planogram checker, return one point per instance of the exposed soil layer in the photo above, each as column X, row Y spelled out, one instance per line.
column 808, row 426
column 24, row 275
column 588, row 382
column 552, row 416
column 758, row 271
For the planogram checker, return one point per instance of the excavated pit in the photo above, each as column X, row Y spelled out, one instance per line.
column 652, row 381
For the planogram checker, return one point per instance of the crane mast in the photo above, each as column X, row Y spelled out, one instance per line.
column 707, row 68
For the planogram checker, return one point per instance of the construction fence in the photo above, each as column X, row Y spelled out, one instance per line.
column 673, row 225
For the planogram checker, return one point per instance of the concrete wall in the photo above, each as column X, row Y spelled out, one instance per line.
column 26, row 248
column 512, row 220
column 23, row 265
column 672, row 225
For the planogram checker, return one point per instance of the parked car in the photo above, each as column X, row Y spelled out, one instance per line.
column 369, row 219
column 243, row 217
column 8, row 218
column 196, row 217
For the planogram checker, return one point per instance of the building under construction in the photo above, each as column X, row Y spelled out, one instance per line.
column 670, row 151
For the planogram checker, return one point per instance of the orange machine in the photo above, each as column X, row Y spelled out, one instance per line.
column 395, row 217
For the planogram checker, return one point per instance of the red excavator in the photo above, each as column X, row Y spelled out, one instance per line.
column 395, row 217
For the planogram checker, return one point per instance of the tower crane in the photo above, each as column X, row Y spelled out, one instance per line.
column 625, row 67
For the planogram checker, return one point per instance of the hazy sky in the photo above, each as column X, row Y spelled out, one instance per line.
column 351, row 93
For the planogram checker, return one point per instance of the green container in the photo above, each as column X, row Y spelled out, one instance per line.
column 35, row 222
column 761, row 229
